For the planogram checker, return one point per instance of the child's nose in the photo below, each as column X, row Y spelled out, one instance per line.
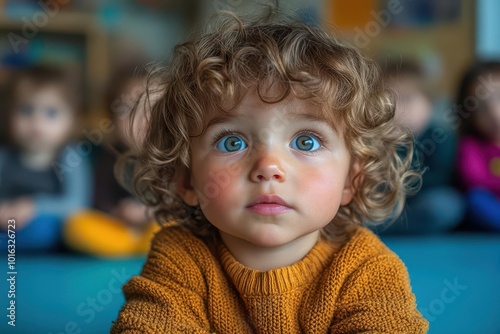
column 266, row 167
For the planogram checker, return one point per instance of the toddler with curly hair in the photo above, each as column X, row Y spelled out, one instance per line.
column 269, row 146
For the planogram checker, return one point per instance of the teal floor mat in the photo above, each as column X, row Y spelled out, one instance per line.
column 455, row 279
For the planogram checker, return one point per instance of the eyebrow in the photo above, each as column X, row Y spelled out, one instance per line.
column 319, row 119
column 310, row 117
column 223, row 118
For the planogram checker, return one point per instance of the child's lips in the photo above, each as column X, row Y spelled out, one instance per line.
column 269, row 205
column 269, row 208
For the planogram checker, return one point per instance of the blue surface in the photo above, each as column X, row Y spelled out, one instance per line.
column 67, row 294
column 72, row 294
column 470, row 264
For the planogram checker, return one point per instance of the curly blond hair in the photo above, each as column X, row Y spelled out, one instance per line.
column 233, row 55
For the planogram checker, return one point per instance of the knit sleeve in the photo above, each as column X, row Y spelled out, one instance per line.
column 168, row 297
column 377, row 298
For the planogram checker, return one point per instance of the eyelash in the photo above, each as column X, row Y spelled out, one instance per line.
column 320, row 138
column 226, row 132
column 314, row 134
column 221, row 134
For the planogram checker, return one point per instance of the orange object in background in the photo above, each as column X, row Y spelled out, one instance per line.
column 351, row 14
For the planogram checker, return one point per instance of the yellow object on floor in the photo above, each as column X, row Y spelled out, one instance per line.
column 99, row 234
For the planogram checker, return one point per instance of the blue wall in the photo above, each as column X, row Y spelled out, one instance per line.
column 488, row 29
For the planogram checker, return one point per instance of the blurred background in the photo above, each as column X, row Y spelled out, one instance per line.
column 71, row 70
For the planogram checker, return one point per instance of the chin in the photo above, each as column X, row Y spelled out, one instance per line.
column 270, row 238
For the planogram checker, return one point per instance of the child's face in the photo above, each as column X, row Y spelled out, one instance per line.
column 486, row 118
column 270, row 149
column 42, row 120
column 132, row 91
column 413, row 108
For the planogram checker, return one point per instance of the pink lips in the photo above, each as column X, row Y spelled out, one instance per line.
column 269, row 205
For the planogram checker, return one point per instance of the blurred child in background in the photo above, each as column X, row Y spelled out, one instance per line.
column 437, row 207
column 43, row 178
column 119, row 226
column 478, row 109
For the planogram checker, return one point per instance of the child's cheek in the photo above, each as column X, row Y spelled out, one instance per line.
column 219, row 188
column 322, row 190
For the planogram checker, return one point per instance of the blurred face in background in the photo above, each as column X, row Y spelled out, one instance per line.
column 413, row 107
column 131, row 93
column 42, row 119
column 486, row 118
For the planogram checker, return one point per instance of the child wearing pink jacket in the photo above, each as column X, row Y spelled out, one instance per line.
column 479, row 150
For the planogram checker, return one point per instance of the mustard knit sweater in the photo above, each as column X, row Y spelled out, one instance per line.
column 183, row 288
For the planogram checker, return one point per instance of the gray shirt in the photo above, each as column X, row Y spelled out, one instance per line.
column 60, row 190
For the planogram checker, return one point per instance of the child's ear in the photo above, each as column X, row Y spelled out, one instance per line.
column 184, row 189
column 351, row 184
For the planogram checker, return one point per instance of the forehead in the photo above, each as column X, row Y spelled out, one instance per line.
column 255, row 107
column 27, row 88
column 405, row 82
column 489, row 80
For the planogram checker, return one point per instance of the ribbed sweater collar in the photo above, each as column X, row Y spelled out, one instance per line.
column 251, row 282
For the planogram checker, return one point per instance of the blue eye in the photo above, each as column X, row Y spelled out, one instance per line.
column 306, row 143
column 51, row 113
column 27, row 110
column 231, row 144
